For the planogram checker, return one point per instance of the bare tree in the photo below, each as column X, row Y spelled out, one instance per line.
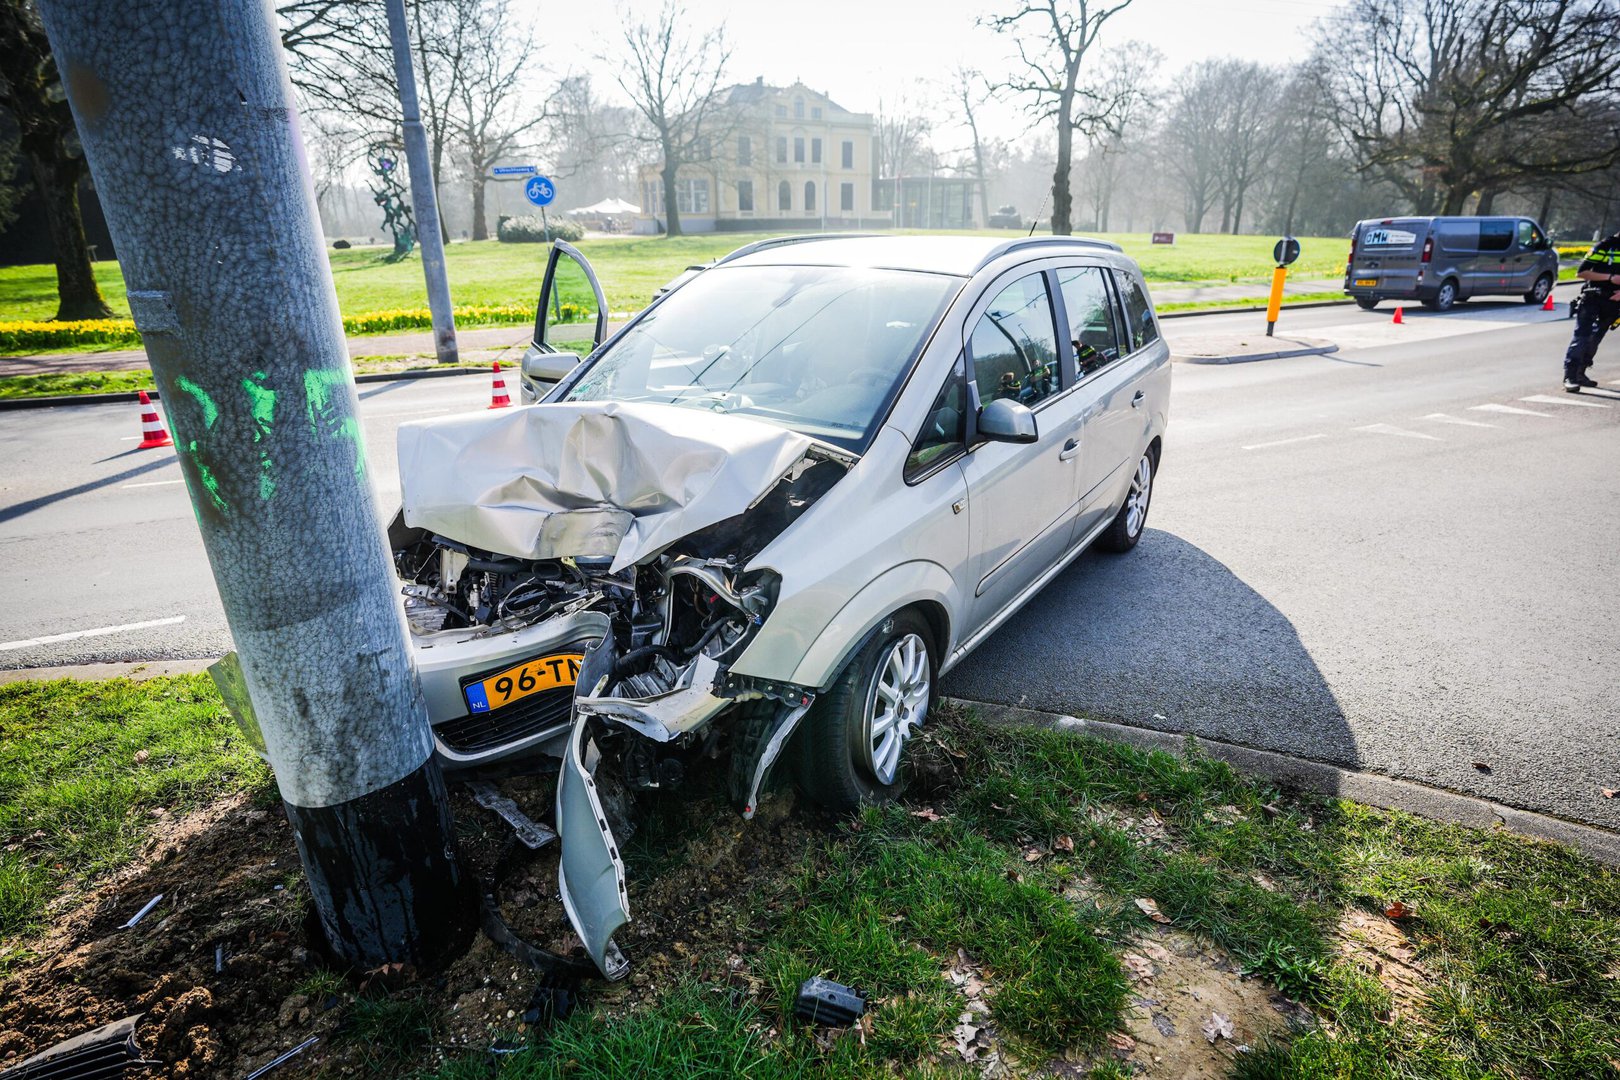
column 1053, row 38
column 971, row 91
column 591, row 142
column 673, row 76
column 902, row 139
column 1251, row 129
column 487, row 115
column 1446, row 99
column 1127, row 86
column 1191, row 140
column 31, row 90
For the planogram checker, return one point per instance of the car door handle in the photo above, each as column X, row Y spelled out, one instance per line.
column 1137, row 399
column 1070, row 448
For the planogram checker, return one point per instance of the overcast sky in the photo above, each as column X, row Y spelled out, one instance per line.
column 864, row 51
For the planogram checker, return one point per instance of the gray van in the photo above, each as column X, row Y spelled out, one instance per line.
column 1441, row 260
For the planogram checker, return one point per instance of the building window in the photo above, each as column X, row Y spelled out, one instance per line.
column 798, row 148
column 652, row 197
column 692, row 196
column 781, row 111
column 815, row 113
column 784, row 196
column 745, row 150
column 846, row 196
column 815, row 151
column 745, row 196
column 848, row 152
column 781, row 149
column 798, row 108
column 809, row 196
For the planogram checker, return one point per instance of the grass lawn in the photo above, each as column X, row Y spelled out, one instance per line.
column 1012, row 894
column 631, row 269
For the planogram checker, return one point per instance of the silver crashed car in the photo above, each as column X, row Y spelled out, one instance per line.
column 767, row 515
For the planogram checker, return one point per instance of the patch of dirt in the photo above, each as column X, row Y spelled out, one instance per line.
column 1378, row 947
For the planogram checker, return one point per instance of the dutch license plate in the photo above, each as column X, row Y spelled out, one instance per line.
column 1366, row 281
column 529, row 677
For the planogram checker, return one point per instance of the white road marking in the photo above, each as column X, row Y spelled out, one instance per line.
column 153, row 483
column 99, row 631
column 1568, row 399
column 1514, row 409
column 1443, row 418
column 1391, row 429
column 1284, row 442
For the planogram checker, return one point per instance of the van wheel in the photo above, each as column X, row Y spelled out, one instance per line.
column 1127, row 526
column 1445, row 299
column 852, row 745
column 1366, row 303
column 1539, row 292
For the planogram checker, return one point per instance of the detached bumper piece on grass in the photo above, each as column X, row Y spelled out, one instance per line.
column 102, row 1054
column 822, row 1001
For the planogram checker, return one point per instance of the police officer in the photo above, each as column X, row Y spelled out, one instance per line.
column 1596, row 307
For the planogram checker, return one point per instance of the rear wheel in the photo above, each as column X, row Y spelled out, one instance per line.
column 1128, row 524
column 1366, row 303
column 1445, row 299
column 852, row 745
column 1540, row 291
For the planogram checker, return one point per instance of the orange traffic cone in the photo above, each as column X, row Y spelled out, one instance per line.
column 1547, row 304
column 1397, row 320
column 152, row 432
column 497, row 390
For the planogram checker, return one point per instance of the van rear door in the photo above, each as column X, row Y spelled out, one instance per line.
column 1387, row 256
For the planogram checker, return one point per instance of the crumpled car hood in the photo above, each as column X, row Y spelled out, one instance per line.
column 602, row 479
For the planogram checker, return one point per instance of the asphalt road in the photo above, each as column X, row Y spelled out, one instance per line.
column 1386, row 558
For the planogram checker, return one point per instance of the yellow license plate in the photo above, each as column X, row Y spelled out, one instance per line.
column 1366, row 281
column 529, row 677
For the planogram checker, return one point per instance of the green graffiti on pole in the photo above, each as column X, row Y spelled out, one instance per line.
column 262, row 404
column 193, row 452
column 320, row 385
column 209, row 409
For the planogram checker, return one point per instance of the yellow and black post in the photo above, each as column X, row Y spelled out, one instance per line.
column 1286, row 251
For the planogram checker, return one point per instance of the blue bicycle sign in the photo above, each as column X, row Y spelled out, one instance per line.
column 540, row 190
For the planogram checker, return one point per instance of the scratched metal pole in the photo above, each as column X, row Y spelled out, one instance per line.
column 424, row 197
column 185, row 112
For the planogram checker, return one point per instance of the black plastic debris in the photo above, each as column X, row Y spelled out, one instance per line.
column 282, row 1059
column 553, row 999
column 822, row 1001
column 107, row 1051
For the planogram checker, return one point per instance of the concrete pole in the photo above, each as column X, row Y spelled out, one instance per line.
column 185, row 112
column 424, row 197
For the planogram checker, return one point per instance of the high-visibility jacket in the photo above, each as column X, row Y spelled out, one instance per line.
column 1604, row 258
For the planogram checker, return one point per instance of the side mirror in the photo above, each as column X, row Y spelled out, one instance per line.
column 1005, row 420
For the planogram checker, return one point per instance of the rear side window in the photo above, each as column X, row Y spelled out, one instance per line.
column 1014, row 345
column 1495, row 235
column 1458, row 236
column 1140, row 330
column 1088, row 305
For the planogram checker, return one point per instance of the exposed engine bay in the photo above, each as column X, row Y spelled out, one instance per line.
column 632, row 529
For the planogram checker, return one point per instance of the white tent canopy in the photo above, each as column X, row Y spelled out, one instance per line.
column 608, row 206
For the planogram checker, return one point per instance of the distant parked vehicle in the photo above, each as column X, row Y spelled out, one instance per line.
column 1006, row 217
column 1442, row 260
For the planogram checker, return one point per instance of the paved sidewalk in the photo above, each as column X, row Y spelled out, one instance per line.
column 1185, row 292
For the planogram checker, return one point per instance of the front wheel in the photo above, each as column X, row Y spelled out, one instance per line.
column 852, row 744
column 1128, row 524
column 1540, row 291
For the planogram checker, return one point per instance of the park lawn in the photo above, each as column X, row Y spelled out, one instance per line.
column 631, row 269
column 1022, row 860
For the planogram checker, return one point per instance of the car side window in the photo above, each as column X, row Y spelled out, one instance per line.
column 1140, row 329
column 1529, row 236
column 1495, row 235
column 1088, row 305
column 944, row 430
column 1014, row 346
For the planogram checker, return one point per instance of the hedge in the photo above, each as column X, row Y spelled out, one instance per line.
column 28, row 335
column 529, row 229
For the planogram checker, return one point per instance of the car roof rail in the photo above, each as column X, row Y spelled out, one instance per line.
column 1038, row 241
column 781, row 241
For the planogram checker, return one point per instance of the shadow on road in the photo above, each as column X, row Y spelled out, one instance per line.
column 17, row 510
column 1168, row 638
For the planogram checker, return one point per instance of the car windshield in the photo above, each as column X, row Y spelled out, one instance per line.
column 819, row 349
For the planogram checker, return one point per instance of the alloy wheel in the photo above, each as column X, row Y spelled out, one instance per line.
column 896, row 704
column 1136, row 503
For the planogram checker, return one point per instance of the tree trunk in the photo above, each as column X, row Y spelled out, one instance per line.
column 480, row 229
column 1546, row 210
column 672, row 209
column 1487, row 199
column 1456, row 199
column 1237, row 213
column 78, row 296
column 1062, row 201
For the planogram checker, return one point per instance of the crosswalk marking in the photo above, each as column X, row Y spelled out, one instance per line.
column 1514, row 409
column 1284, row 442
column 1567, row 399
column 1443, row 418
column 1391, row 429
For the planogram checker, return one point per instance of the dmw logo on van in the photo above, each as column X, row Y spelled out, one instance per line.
column 1388, row 238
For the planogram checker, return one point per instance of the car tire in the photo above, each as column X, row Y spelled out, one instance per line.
column 1126, row 529
column 1540, row 290
column 1366, row 303
column 846, row 758
column 1445, row 299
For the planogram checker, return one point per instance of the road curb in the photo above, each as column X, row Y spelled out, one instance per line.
column 1249, row 358
column 136, row 669
column 1373, row 789
column 10, row 404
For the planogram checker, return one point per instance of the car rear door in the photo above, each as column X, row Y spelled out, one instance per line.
column 1387, row 255
column 1022, row 495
